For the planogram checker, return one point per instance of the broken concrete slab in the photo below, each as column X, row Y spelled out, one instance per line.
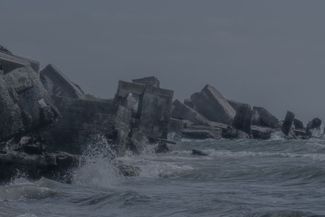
column 288, row 123
column 315, row 128
column 201, row 133
column 243, row 118
column 298, row 124
column 154, row 107
column 10, row 62
column 263, row 133
column 232, row 133
column 149, row 81
column 262, row 117
column 213, row 105
column 49, row 165
column 184, row 112
column 57, row 84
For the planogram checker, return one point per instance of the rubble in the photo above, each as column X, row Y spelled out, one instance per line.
column 47, row 121
column 184, row 112
column 263, row 118
column 213, row 105
column 288, row 123
column 243, row 118
column 259, row 132
column 315, row 128
column 57, row 84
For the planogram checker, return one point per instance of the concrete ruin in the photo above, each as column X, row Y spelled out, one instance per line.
column 150, row 107
column 262, row 117
column 57, row 83
column 213, row 105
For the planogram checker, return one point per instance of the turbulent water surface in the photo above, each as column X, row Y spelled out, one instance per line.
column 238, row 178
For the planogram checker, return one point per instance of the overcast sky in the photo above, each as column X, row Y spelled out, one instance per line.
column 268, row 53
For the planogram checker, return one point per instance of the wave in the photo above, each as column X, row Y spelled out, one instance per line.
column 285, row 214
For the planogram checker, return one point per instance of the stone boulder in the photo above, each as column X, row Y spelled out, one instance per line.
column 213, row 105
column 57, row 84
column 264, row 118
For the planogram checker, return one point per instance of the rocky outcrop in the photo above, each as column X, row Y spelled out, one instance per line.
column 213, row 105
column 57, row 84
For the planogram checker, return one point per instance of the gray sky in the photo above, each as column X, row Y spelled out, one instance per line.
column 268, row 53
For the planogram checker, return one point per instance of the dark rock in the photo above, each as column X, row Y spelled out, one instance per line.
column 199, row 153
column 212, row 105
column 262, row 117
column 149, row 81
column 58, row 84
column 243, row 118
column 288, row 123
column 259, row 132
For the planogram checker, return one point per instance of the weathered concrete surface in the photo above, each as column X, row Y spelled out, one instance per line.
column 57, row 84
column 184, row 112
column 25, row 104
column 213, row 105
column 243, row 118
column 315, row 128
column 151, row 110
column 232, row 133
column 80, row 121
column 262, row 117
column 49, row 165
column 201, row 133
column 259, row 132
column 298, row 124
column 149, row 81
column 288, row 123
column 10, row 62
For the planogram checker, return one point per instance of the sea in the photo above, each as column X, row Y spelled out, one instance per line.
column 238, row 178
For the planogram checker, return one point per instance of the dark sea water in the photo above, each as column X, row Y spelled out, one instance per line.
column 238, row 178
